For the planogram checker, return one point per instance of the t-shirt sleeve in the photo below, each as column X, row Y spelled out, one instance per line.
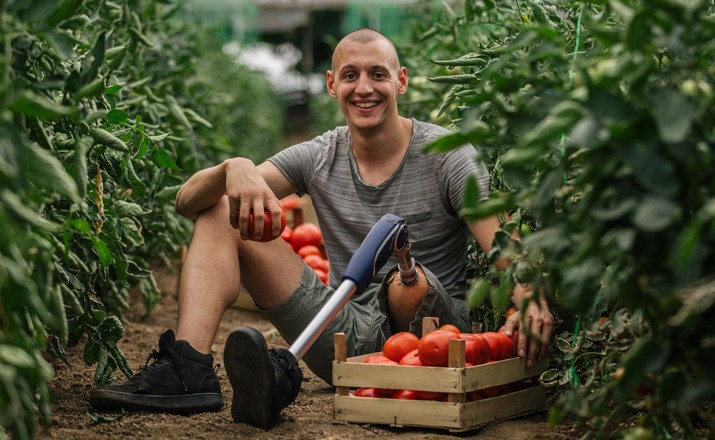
column 457, row 166
column 299, row 162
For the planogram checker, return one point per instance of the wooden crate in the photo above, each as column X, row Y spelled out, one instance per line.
column 456, row 414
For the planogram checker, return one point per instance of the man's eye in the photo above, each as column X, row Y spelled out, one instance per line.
column 379, row 75
column 349, row 76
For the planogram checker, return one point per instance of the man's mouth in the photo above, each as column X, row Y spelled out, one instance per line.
column 366, row 104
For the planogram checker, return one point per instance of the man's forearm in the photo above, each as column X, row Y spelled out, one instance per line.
column 203, row 190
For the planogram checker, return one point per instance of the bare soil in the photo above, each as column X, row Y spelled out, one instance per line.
column 310, row 417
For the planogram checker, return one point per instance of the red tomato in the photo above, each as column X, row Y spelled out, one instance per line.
column 322, row 275
column 287, row 234
column 399, row 344
column 305, row 234
column 433, row 348
column 267, row 227
column 429, row 395
column 451, row 328
column 412, row 359
column 476, row 348
column 368, row 392
column 314, row 261
column 474, row 395
column 289, row 203
column 309, row 250
column 514, row 336
column 405, row 395
column 500, row 345
column 378, row 359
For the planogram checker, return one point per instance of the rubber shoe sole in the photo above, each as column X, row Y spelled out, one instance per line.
column 250, row 372
column 111, row 400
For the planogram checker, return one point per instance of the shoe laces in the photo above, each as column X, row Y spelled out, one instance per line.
column 158, row 357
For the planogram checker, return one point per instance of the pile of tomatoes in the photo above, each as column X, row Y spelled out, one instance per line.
column 432, row 350
column 306, row 240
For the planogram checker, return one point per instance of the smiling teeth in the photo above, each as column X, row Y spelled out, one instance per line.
column 366, row 104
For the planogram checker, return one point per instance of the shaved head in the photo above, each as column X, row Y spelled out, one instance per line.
column 366, row 36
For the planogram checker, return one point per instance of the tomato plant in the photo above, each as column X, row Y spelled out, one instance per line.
column 399, row 345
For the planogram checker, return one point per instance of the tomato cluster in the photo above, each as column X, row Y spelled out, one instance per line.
column 306, row 240
column 432, row 350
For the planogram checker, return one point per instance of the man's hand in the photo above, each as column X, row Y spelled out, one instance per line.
column 535, row 324
column 248, row 191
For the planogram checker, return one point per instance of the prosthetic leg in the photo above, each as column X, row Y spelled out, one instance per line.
column 266, row 381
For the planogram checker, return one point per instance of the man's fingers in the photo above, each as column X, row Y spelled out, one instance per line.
column 233, row 207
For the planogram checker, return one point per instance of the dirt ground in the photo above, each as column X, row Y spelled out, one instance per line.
column 310, row 417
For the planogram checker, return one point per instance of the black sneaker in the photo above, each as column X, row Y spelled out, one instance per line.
column 263, row 381
column 180, row 380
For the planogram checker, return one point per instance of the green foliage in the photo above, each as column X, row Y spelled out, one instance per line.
column 596, row 121
column 103, row 114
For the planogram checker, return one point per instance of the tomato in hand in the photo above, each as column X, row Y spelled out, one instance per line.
column 306, row 234
column 399, row 344
column 514, row 336
column 412, row 359
column 500, row 345
column 433, row 348
column 477, row 350
column 267, row 226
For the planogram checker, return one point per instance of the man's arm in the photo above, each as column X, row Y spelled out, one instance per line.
column 247, row 186
column 537, row 317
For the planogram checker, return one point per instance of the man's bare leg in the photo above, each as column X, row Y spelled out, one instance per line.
column 211, row 275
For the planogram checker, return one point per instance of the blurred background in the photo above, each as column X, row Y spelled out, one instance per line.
column 291, row 43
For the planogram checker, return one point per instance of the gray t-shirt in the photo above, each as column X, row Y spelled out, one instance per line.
column 426, row 190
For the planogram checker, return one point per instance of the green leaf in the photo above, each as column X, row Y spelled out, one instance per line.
column 112, row 90
column 654, row 214
column 478, row 292
column 162, row 159
column 127, row 209
column 105, row 255
column 20, row 209
column 40, row 107
column 91, row 351
column 46, row 171
column 638, row 33
column 16, row 356
column 645, row 356
column 62, row 44
column 117, row 116
column 65, row 9
column 674, row 115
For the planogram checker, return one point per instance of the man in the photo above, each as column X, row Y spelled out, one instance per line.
column 354, row 174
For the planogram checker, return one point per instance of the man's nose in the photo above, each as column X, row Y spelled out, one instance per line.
column 364, row 85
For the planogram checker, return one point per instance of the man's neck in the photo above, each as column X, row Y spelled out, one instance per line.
column 379, row 153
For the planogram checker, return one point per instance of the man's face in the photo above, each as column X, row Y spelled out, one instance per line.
column 366, row 80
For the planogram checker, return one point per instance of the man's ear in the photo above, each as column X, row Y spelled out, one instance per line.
column 402, row 79
column 330, row 83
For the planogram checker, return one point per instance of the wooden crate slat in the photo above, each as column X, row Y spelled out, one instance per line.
column 396, row 412
column 446, row 380
column 503, row 407
column 500, row 372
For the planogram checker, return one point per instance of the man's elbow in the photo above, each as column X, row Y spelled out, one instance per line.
column 181, row 207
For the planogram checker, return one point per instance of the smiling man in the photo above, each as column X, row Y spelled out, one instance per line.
column 354, row 175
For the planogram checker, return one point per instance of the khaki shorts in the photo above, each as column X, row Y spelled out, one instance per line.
column 364, row 319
